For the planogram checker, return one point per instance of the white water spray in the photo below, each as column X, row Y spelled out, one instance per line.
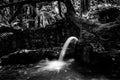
column 57, row 65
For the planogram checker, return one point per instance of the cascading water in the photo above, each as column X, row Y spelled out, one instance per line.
column 65, row 46
column 57, row 65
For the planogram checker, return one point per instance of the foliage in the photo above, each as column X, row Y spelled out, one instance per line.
column 39, row 14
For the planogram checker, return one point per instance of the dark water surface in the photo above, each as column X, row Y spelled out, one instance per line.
column 13, row 69
column 75, row 71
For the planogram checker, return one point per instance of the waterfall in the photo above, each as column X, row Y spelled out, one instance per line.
column 65, row 46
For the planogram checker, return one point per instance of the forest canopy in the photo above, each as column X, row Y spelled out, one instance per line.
column 30, row 13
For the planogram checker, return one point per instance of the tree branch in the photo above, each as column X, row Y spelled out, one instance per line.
column 59, row 7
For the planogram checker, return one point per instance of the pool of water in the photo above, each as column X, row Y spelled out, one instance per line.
column 73, row 72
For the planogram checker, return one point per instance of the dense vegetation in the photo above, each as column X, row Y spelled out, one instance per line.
column 41, row 24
